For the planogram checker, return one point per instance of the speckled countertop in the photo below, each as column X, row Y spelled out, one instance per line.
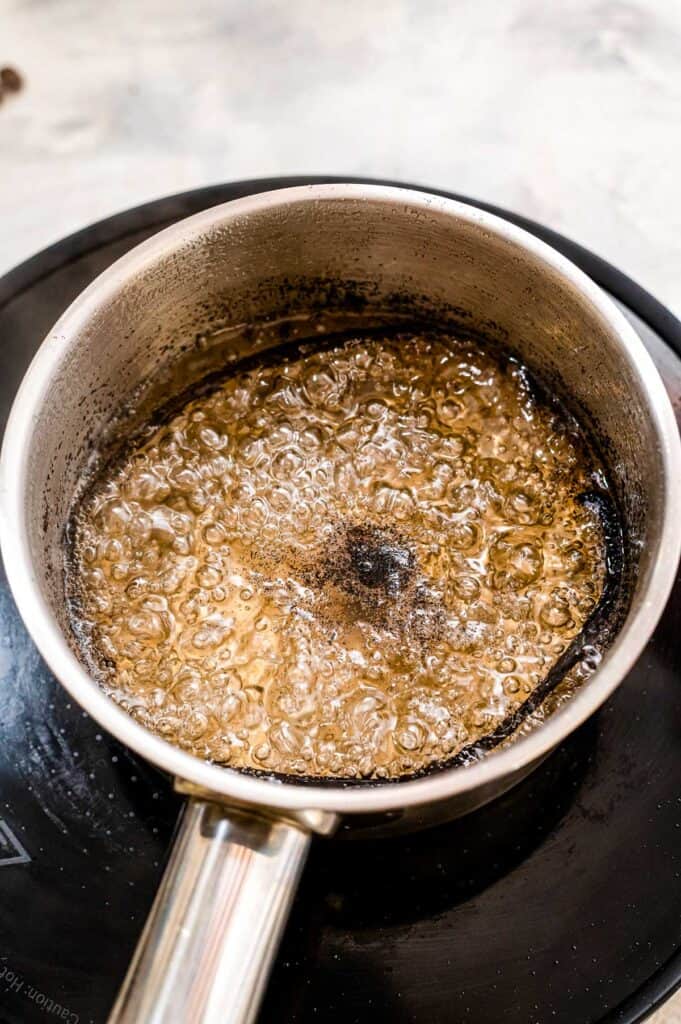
column 569, row 112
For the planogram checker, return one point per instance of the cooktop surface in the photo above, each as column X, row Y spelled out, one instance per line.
column 560, row 902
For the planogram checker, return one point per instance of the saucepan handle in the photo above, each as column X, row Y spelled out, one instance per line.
column 214, row 928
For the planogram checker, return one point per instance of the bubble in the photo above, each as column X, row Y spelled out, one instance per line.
column 466, row 536
column 114, row 516
column 376, row 410
column 394, row 501
column 198, row 500
column 285, row 738
column 410, row 736
column 287, row 464
column 556, row 611
column 195, row 725
column 262, row 753
column 311, row 438
column 137, row 587
column 148, row 624
column 462, row 498
column 449, row 411
column 207, row 636
column 148, row 485
column 253, row 716
column 167, row 725
column 208, row 577
column 113, row 550
column 523, row 506
column 214, row 534
column 171, row 580
column 139, row 528
column 231, row 706
column 101, row 603
column 211, row 439
column 182, row 478
column 517, row 561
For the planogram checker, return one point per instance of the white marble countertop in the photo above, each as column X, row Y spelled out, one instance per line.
column 569, row 112
column 566, row 111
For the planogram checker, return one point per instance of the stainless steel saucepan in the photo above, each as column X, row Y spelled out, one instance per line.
column 219, row 285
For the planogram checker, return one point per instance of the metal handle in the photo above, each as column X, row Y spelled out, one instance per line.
column 214, row 928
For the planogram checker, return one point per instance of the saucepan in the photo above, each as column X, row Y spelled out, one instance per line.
column 221, row 285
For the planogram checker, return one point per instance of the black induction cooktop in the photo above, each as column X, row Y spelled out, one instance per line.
column 560, row 903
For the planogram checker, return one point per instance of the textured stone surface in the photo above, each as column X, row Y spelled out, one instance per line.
column 568, row 112
column 670, row 1014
